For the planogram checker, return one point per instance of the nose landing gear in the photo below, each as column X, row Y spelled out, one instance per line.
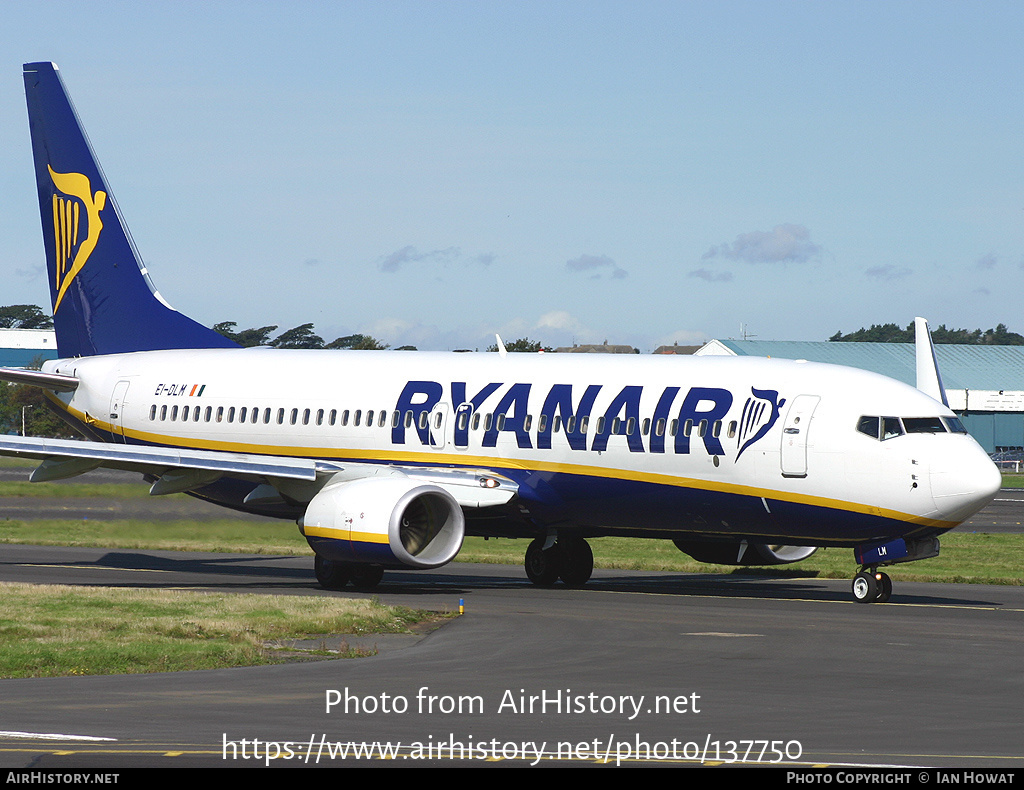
column 871, row 586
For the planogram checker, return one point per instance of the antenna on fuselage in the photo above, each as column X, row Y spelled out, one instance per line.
column 928, row 379
column 501, row 346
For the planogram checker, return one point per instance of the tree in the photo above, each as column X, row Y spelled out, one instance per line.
column 298, row 337
column 891, row 333
column 358, row 343
column 24, row 316
column 522, row 344
column 247, row 338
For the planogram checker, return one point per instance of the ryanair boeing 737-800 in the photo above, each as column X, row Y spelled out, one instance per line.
column 388, row 460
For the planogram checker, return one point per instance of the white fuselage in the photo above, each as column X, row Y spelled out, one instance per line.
column 644, row 444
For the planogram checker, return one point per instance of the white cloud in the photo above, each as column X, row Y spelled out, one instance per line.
column 889, row 272
column 782, row 244
column 409, row 254
column 596, row 264
column 710, row 276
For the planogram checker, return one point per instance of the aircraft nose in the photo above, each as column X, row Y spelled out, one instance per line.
column 963, row 480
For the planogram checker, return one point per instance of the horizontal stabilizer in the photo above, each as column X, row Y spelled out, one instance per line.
column 55, row 382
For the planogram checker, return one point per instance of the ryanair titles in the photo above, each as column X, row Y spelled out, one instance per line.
column 677, row 421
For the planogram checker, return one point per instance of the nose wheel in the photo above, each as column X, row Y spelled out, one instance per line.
column 872, row 586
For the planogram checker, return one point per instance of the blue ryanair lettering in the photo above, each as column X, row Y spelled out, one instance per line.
column 660, row 421
column 467, row 407
column 702, row 409
column 720, row 401
column 417, row 397
column 517, row 398
column 628, row 400
column 559, row 401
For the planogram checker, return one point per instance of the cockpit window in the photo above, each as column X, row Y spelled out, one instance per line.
column 954, row 425
column 868, row 426
column 924, row 425
column 883, row 428
column 891, row 427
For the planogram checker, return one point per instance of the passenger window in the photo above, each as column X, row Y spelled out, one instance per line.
column 382, row 419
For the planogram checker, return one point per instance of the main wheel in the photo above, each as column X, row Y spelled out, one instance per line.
column 865, row 587
column 542, row 567
column 577, row 561
column 330, row 575
column 366, row 577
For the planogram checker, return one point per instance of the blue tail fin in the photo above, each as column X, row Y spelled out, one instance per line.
column 103, row 300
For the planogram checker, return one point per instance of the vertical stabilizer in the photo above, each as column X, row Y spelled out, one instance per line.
column 102, row 298
column 928, row 379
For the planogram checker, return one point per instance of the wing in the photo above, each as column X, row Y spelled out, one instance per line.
column 178, row 469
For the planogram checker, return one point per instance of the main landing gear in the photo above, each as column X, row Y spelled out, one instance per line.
column 569, row 559
column 335, row 575
column 871, row 586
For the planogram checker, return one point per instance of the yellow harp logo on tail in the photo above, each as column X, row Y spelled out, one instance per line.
column 73, row 245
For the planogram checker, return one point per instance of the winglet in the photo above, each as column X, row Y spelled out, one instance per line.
column 928, row 379
column 501, row 346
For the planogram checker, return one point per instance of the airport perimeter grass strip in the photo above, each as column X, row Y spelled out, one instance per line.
column 965, row 557
column 59, row 630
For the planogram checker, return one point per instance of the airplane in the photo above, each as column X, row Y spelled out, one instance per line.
column 388, row 461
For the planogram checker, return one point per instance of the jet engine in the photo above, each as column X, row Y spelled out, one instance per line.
column 742, row 552
column 393, row 522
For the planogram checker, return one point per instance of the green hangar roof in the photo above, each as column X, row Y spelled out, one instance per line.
column 963, row 367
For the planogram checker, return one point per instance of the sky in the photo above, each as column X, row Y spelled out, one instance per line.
column 433, row 173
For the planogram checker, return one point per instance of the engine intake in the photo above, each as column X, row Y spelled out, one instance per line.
column 390, row 521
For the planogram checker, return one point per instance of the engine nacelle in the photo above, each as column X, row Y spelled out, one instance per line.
column 742, row 552
column 390, row 521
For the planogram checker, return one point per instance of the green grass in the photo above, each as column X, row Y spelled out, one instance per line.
column 54, row 490
column 51, row 630
column 965, row 556
column 224, row 535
